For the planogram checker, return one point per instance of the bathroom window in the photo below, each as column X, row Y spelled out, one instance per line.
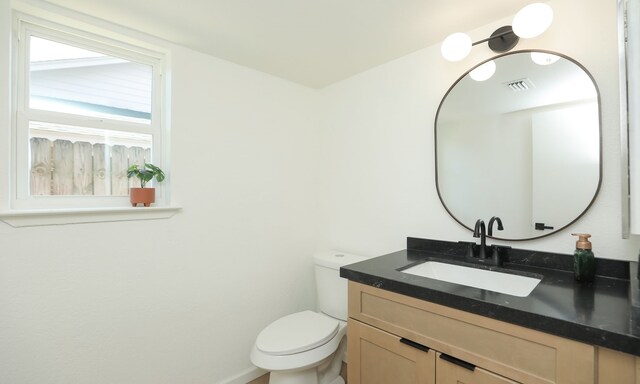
column 86, row 107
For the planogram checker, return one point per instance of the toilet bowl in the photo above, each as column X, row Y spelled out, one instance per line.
column 308, row 347
column 298, row 342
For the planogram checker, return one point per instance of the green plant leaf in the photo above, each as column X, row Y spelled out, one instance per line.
column 146, row 173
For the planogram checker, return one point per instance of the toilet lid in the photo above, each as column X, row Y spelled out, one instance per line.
column 297, row 333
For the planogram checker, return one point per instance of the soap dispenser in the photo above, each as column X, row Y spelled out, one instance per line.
column 584, row 262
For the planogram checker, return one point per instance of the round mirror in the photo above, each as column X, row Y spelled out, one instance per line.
column 523, row 145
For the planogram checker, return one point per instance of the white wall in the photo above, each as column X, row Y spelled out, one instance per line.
column 459, row 172
column 567, row 136
column 178, row 300
column 89, row 304
column 378, row 186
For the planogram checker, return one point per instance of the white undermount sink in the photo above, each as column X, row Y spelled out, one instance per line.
column 510, row 284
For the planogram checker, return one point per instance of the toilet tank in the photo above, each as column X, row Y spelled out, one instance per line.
column 331, row 288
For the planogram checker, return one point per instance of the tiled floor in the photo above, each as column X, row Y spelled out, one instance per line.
column 264, row 379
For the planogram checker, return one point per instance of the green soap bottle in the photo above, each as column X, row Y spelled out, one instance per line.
column 584, row 262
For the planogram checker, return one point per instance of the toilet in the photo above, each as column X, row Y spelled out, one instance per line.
column 308, row 347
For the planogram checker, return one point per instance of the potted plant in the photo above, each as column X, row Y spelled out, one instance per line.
column 146, row 173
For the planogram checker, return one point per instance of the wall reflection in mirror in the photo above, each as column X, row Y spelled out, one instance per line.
column 521, row 143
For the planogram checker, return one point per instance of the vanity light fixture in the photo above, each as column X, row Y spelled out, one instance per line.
column 484, row 71
column 542, row 58
column 530, row 21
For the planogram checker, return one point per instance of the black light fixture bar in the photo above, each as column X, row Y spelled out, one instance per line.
column 501, row 40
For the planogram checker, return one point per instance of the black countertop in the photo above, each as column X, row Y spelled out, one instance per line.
column 598, row 313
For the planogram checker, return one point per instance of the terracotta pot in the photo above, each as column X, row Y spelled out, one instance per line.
column 144, row 196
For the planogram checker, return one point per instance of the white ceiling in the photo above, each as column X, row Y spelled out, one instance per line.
column 311, row 42
column 562, row 82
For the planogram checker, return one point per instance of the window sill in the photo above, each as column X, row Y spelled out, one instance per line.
column 32, row 218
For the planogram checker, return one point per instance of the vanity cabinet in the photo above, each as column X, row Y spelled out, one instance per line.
column 617, row 367
column 499, row 351
column 381, row 358
column 451, row 373
column 386, row 358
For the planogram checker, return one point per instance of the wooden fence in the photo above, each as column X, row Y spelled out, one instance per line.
column 62, row 167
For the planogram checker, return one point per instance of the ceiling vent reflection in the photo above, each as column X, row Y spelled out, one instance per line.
column 520, row 85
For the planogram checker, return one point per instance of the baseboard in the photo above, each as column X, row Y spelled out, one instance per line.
column 245, row 376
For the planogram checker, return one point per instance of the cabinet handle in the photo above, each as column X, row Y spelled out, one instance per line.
column 413, row 344
column 458, row 362
column 542, row 227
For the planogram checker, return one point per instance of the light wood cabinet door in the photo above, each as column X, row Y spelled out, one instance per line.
column 448, row 372
column 378, row 357
column 617, row 367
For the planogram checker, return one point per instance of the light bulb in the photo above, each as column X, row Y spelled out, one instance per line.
column 542, row 58
column 484, row 71
column 532, row 20
column 456, row 46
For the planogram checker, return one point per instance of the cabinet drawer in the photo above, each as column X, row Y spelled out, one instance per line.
column 378, row 357
column 519, row 353
column 449, row 373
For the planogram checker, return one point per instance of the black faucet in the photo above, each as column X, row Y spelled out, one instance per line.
column 490, row 225
column 481, row 232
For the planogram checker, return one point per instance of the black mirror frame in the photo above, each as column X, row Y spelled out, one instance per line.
column 435, row 143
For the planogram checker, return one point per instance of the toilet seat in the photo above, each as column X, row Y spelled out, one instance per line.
column 296, row 333
column 302, row 360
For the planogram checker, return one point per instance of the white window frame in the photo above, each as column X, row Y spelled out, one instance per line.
column 24, row 209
